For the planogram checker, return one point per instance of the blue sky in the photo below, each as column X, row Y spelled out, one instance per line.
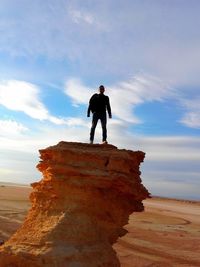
column 55, row 53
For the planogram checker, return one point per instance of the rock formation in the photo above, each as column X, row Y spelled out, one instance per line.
column 79, row 207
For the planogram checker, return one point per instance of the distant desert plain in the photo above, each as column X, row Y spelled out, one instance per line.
column 166, row 234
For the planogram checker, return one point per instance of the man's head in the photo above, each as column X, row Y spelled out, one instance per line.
column 101, row 89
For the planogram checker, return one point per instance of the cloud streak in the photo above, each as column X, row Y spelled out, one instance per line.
column 80, row 16
column 22, row 96
column 192, row 114
column 11, row 127
column 25, row 97
column 125, row 96
column 143, row 88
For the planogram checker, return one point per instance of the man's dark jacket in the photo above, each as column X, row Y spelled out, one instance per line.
column 99, row 103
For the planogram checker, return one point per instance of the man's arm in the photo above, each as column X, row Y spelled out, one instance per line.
column 90, row 105
column 88, row 111
column 109, row 108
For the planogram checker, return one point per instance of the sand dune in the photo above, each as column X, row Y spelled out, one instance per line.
column 166, row 234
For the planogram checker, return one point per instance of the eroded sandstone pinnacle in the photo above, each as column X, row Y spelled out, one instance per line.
column 78, row 208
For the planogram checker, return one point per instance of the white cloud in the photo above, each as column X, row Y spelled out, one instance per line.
column 171, row 148
column 141, row 88
column 192, row 115
column 79, row 93
column 11, row 127
column 76, row 122
column 124, row 96
column 25, row 97
column 22, row 96
column 79, row 16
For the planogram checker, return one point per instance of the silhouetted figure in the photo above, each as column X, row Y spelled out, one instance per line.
column 98, row 105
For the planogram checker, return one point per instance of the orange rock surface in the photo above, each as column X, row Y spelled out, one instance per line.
column 79, row 207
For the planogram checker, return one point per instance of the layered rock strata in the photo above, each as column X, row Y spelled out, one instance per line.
column 78, row 208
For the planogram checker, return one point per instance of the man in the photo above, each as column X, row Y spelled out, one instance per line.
column 98, row 105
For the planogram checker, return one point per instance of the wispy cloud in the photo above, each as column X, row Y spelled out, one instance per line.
column 11, row 127
column 25, row 97
column 170, row 148
column 141, row 88
column 192, row 114
column 22, row 96
column 79, row 16
column 125, row 96
column 77, row 91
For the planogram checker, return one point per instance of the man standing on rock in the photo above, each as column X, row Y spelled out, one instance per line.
column 98, row 104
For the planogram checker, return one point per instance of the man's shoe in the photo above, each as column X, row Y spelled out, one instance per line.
column 104, row 142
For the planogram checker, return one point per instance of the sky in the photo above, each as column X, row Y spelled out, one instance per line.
column 54, row 54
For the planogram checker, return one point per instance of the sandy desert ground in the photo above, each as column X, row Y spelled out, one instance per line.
column 166, row 234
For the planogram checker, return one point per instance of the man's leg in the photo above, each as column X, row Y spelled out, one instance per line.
column 94, row 124
column 103, row 125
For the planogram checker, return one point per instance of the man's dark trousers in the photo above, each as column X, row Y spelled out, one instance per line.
column 102, row 117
